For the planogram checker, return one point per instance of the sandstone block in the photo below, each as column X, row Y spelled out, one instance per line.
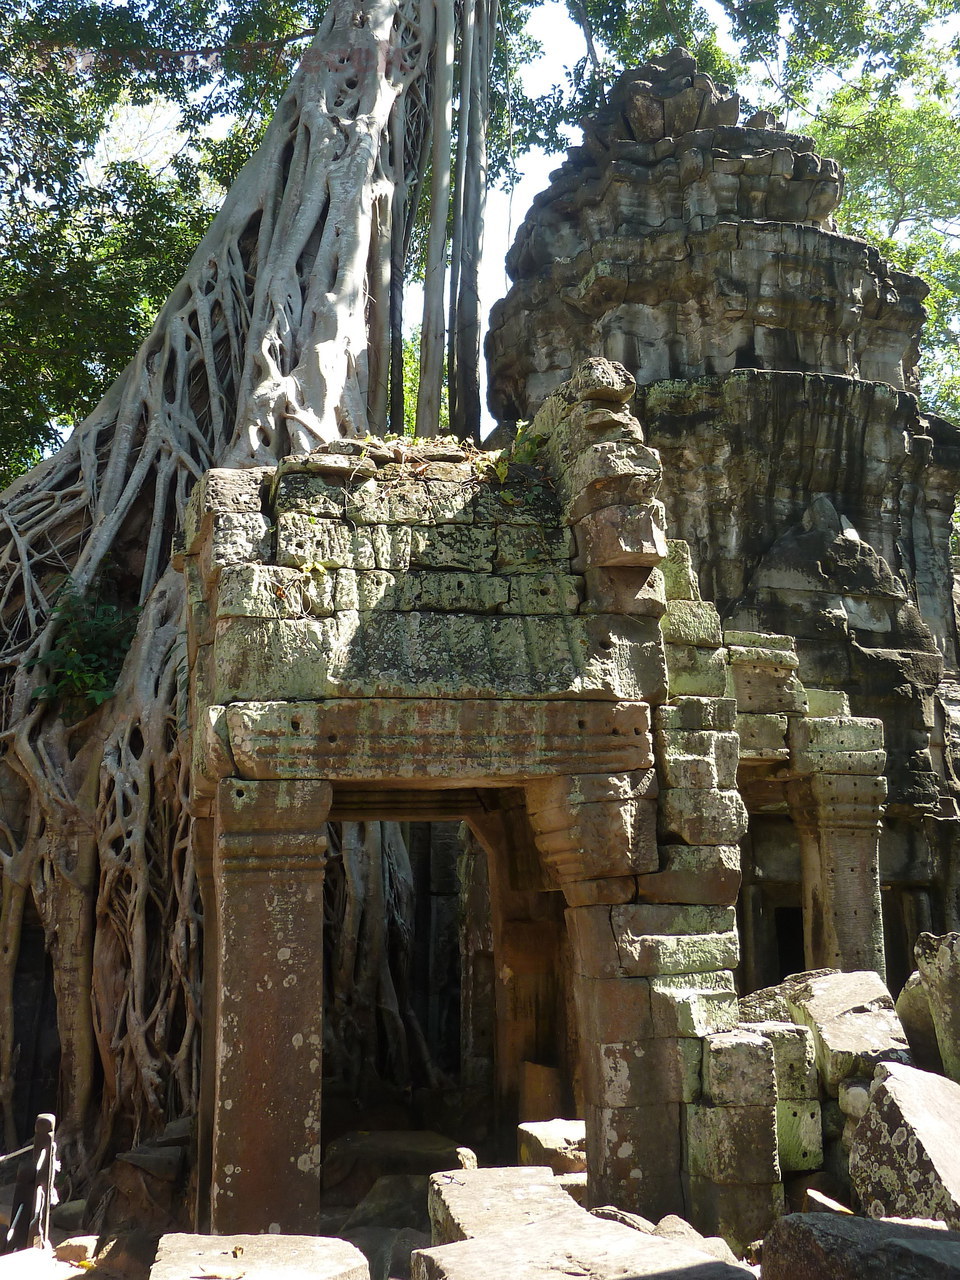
column 905, row 1159
column 270, row 591
column 436, row 655
column 613, row 1010
column 693, row 622
column 692, row 1004
column 853, row 1096
column 222, row 491
column 793, row 1058
column 678, row 749
column 766, row 691
column 738, row 1070
column 637, row 591
column 620, row 536
column 523, row 549
column 913, row 1010
column 679, row 578
column 695, row 714
column 828, row 702
column 592, row 893
column 732, row 1146
column 693, row 873
column 750, row 640
column 702, row 817
column 741, row 1214
column 435, row 740
column 642, row 1073
column 233, row 538
column 601, row 1249
column 644, row 939
column 853, row 1022
column 696, row 672
column 938, row 960
column 560, row 1144
column 476, row 1202
column 826, row 1246
column 763, row 737
column 638, row 1157
column 799, row 1135
column 261, row 1257
column 587, row 826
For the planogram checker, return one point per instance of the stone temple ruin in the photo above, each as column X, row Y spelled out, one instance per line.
column 686, row 669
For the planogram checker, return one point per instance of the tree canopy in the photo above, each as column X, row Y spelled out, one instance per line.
column 93, row 245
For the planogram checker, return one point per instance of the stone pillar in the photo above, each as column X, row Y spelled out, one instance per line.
column 268, row 867
column 837, row 808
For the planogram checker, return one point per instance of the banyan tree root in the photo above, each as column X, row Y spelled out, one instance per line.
column 278, row 337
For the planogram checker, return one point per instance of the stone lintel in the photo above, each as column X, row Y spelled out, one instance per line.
column 437, row 742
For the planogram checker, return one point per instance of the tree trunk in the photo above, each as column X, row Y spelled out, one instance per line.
column 277, row 338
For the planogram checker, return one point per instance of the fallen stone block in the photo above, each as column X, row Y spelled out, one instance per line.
column 938, row 960
column 561, row 1144
column 673, row 1227
column 475, row 1202
column 771, row 1003
column 398, row 1200
column 799, row 1135
column 559, row 1248
column 913, row 1010
column 827, row 1246
column 854, row 1024
column 905, row 1157
column 181, row 1257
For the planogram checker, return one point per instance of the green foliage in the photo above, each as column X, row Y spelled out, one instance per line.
column 903, row 194
column 92, row 638
column 411, row 382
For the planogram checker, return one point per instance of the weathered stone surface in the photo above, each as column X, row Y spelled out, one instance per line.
column 639, row 1157
column 636, row 591
column 732, row 1146
column 680, row 580
column 437, row 742
column 738, row 1070
column 692, row 1004
column 620, row 536
column 477, row 1202
column 740, row 1214
column 644, row 939
column 693, row 622
column 643, row 1073
column 799, row 1135
column 693, row 672
column 825, row 1246
column 772, row 1003
column 560, row 1144
column 702, row 817
column 606, row 1250
column 693, row 873
column 716, row 715
column 763, row 737
column 592, row 825
column 853, row 1021
column 384, row 655
column 938, row 959
column 793, row 1058
column 181, row 1257
column 904, row 1159
column 223, row 491
column 913, row 1010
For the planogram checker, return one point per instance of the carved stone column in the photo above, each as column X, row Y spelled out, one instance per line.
column 837, row 809
column 268, row 868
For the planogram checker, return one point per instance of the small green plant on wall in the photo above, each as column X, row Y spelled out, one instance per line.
column 92, row 638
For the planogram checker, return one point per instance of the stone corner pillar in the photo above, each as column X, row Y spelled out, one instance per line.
column 268, row 869
column 837, row 807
